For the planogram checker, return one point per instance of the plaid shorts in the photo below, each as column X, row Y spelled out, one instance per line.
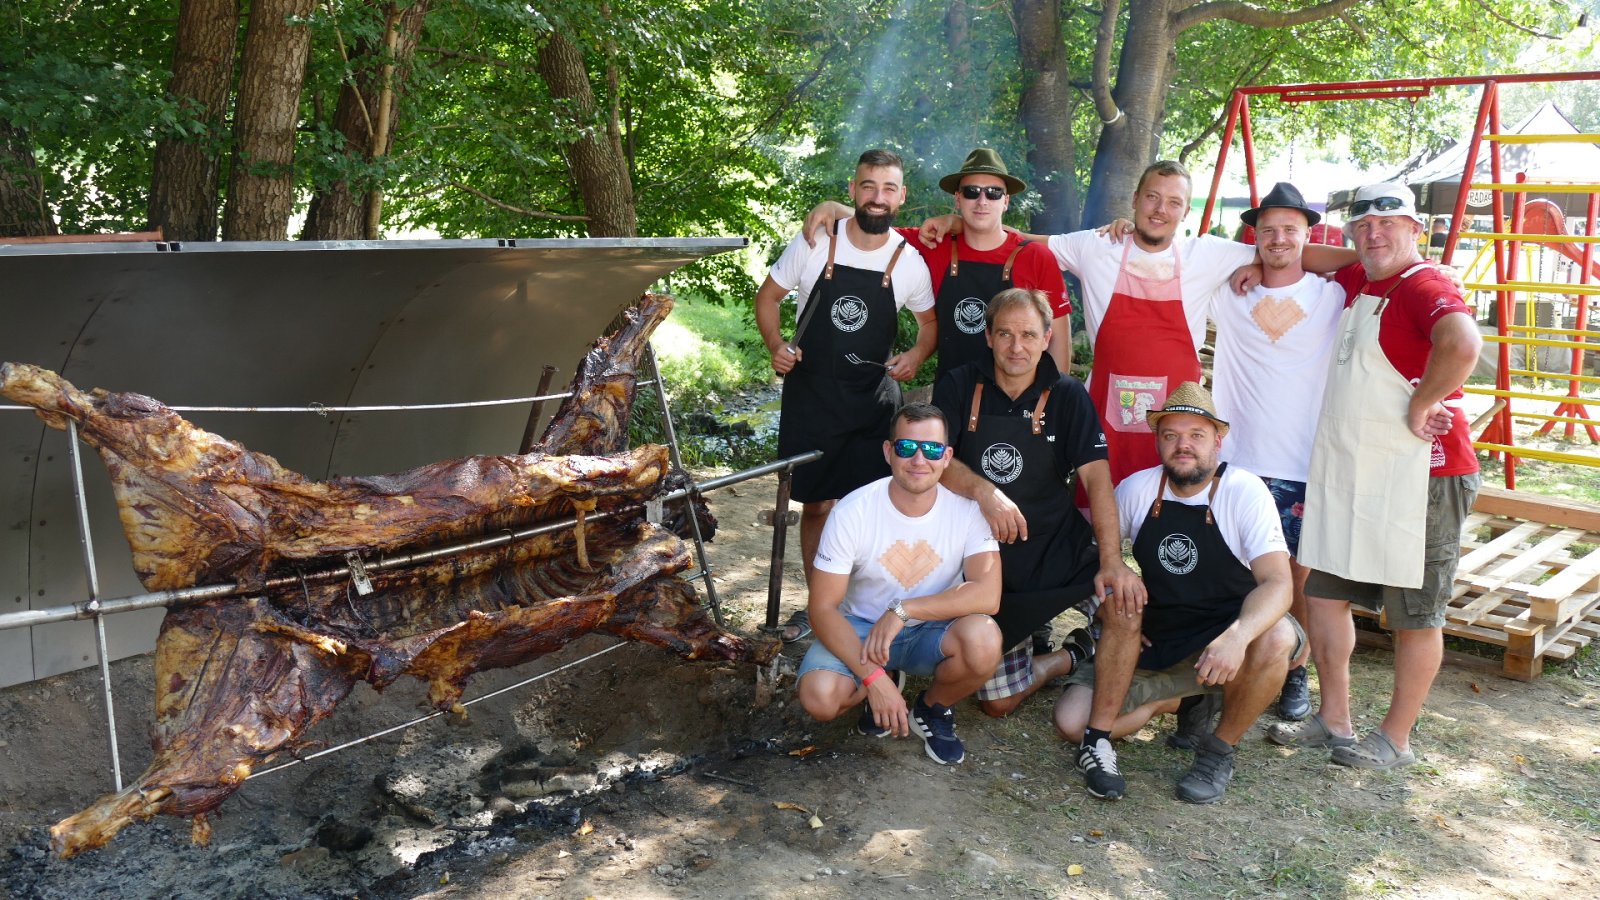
column 1014, row 675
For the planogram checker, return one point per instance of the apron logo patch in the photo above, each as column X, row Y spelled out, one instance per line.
column 849, row 313
column 1001, row 463
column 1347, row 346
column 969, row 316
column 910, row 563
column 1178, row 554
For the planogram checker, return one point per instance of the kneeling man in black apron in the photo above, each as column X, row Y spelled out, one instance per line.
column 1210, row 545
column 1022, row 428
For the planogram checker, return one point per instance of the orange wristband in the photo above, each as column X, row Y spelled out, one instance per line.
column 872, row 676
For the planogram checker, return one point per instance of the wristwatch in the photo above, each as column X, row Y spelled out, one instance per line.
column 900, row 610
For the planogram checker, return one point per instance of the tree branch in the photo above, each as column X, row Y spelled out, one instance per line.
column 1257, row 16
column 1100, row 86
column 1522, row 28
column 1222, row 117
column 469, row 57
column 532, row 213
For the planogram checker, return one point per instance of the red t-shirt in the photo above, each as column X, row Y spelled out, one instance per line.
column 1035, row 266
column 1405, row 332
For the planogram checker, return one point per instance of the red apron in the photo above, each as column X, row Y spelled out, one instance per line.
column 1142, row 352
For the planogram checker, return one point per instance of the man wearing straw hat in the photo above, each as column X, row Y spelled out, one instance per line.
column 1393, row 476
column 1216, row 571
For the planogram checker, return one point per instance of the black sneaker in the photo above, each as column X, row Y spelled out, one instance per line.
column 1294, row 703
column 869, row 726
column 1080, row 643
column 1041, row 640
column 1195, row 719
column 1098, row 763
column 937, row 725
column 1213, row 769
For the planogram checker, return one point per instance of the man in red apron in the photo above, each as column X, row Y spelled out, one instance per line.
column 1022, row 430
column 840, row 387
column 978, row 263
column 1211, row 550
column 1393, row 476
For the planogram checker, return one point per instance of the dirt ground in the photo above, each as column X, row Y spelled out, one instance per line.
column 636, row 775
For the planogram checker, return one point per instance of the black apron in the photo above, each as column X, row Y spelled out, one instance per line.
column 963, row 296
column 1196, row 585
column 831, row 404
column 1055, row 568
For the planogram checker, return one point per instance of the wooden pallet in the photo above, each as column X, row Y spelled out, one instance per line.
column 1529, row 579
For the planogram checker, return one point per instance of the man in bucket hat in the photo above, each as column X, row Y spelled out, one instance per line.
column 983, row 261
column 1273, row 346
column 1393, row 476
column 1208, row 542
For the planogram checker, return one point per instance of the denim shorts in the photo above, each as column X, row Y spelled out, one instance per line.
column 917, row 649
column 1290, row 498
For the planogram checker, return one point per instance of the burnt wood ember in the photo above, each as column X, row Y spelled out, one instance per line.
column 241, row 679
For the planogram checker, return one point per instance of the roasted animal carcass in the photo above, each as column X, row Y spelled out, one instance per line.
column 240, row 679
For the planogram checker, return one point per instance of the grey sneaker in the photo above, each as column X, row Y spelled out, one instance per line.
column 1195, row 720
column 1294, row 702
column 1213, row 769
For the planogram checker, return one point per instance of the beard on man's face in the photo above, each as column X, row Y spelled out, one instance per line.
column 1194, row 476
column 874, row 223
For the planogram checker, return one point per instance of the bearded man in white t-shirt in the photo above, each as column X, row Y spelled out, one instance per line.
column 907, row 577
column 1273, row 346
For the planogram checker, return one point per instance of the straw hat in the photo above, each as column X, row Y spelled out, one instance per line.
column 1189, row 398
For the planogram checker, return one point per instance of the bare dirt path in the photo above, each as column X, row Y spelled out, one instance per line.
column 669, row 780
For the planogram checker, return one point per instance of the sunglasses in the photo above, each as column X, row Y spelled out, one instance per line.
column 1381, row 204
column 973, row 192
column 905, row 448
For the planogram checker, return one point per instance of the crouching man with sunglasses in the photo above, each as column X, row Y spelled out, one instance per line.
column 1022, row 430
column 907, row 576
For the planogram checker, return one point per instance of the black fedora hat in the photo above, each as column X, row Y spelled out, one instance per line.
column 982, row 161
column 1282, row 196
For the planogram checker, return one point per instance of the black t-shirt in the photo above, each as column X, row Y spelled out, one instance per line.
column 1069, row 414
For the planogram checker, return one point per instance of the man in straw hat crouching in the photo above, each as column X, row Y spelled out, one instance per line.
column 1210, row 548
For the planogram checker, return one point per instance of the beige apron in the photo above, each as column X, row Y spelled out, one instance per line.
column 1367, row 495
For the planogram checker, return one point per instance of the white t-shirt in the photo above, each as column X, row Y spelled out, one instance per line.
column 1205, row 262
column 891, row 556
column 800, row 266
column 1244, row 510
column 1273, row 346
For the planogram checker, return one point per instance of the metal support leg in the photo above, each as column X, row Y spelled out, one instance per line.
column 94, row 598
column 780, row 535
column 694, row 489
column 529, row 435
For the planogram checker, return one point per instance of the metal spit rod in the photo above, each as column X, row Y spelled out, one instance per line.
column 77, row 611
column 93, row 605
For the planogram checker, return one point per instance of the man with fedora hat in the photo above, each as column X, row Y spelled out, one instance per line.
column 983, row 261
column 1393, row 476
column 1272, row 352
column 1216, row 571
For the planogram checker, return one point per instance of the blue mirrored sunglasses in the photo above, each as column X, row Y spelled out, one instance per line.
column 1381, row 204
column 905, row 448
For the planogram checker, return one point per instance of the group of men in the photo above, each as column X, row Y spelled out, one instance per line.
column 938, row 537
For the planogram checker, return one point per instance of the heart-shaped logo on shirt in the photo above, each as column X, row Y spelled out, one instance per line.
column 1276, row 315
column 910, row 563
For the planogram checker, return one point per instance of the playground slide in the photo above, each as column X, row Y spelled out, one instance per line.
column 1544, row 217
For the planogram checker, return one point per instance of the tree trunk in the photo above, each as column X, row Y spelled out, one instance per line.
column 261, row 181
column 595, row 157
column 1126, row 146
column 184, row 184
column 340, row 211
column 1047, row 107
column 23, row 212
